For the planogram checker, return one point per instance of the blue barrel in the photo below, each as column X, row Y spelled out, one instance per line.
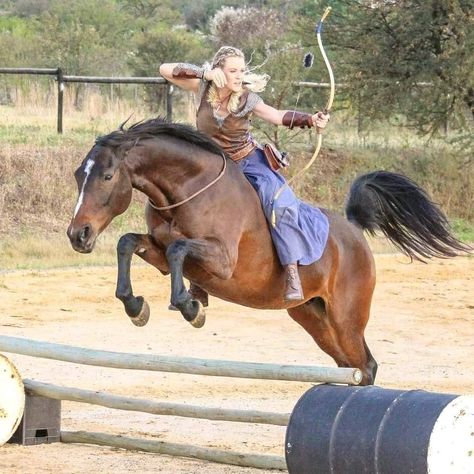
column 354, row 430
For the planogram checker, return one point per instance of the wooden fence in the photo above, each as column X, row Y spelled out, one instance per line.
column 63, row 79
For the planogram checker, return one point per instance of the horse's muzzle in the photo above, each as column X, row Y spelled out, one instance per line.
column 82, row 239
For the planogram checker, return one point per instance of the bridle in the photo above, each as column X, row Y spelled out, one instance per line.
column 172, row 206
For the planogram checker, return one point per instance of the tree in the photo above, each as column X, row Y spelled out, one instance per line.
column 85, row 36
column 406, row 57
column 247, row 28
column 148, row 13
column 159, row 45
column 18, row 48
column 263, row 35
column 18, row 42
column 28, row 8
column 198, row 13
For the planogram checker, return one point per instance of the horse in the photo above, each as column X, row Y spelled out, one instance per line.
column 205, row 222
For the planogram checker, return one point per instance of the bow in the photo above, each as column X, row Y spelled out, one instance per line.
column 319, row 29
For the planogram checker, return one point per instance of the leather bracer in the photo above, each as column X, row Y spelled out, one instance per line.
column 297, row 119
column 188, row 71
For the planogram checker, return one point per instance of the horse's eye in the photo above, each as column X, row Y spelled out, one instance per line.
column 107, row 177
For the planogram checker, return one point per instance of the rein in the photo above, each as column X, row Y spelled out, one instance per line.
column 165, row 208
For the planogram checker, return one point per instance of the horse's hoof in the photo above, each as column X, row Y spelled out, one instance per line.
column 200, row 318
column 143, row 316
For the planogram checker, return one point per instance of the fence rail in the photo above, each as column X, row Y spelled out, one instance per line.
column 29, row 70
column 62, row 79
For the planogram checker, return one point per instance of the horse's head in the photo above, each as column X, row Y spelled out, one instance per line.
column 105, row 191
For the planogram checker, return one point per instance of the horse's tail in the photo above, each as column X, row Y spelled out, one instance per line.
column 397, row 206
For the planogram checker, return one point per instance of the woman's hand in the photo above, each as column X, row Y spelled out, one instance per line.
column 320, row 120
column 216, row 76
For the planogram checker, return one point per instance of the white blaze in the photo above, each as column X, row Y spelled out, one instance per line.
column 90, row 163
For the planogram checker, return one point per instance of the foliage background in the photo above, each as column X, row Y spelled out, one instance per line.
column 406, row 102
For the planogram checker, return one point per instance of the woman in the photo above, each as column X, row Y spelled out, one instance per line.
column 226, row 100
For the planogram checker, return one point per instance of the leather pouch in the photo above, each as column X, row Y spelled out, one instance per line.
column 276, row 160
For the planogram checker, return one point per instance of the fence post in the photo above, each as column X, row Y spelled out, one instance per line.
column 359, row 115
column 60, row 99
column 169, row 102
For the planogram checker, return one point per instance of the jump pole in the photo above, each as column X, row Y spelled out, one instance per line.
column 181, row 365
column 338, row 430
column 155, row 408
column 260, row 461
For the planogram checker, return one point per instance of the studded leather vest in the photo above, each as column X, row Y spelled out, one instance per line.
column 232, row 133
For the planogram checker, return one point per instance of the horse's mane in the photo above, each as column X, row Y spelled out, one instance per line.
column 158, row 126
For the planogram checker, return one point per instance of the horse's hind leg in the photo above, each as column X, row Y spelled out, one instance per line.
column 339, row 334
column 135, row 306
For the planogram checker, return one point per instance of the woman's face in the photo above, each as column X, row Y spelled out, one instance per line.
column 234, row 68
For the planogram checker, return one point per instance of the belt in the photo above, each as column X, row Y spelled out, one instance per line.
column 241, row 154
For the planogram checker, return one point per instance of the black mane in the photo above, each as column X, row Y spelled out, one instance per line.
column 159, row 126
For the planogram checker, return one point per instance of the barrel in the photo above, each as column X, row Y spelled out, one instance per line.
column 354, row 430
column 12, row 399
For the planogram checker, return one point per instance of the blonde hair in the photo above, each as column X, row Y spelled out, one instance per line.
column 252, row 82
column 226, row 52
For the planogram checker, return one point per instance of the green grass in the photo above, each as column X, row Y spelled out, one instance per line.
column 37, row 125
column 463, row 229
column 42, row 136
column 36, row 248
column 31, row 253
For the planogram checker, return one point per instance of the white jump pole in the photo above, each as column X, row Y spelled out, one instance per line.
column 156, row 408
column 260, row 461
column 183, row 365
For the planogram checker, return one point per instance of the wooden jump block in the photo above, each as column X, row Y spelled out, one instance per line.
column 41, row 422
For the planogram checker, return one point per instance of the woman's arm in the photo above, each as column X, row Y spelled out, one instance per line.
column 290, row 118
column 269, row 113
column 186, row 78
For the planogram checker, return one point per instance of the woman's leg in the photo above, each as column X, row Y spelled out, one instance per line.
column 287, row 235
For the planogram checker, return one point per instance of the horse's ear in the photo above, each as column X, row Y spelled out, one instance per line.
column 124, row 122
column 123, row 149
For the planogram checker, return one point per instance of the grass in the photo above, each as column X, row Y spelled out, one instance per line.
column 39, row 247
column 28, row 252
column 31, row 253
column 36, row 127
column 463, row 229
column 38, row 191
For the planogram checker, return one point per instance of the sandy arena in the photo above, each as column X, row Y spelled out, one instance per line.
column 421, row 333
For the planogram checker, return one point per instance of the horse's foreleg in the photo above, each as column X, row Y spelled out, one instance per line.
column 211, row 256
column 135, row 306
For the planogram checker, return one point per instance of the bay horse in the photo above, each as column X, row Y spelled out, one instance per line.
column 205, row 222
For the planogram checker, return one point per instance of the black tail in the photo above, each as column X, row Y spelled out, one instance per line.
column 397, row 206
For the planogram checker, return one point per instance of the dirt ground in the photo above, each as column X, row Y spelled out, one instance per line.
column 421, row 332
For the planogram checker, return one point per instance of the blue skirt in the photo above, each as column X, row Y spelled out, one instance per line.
column 301, row 231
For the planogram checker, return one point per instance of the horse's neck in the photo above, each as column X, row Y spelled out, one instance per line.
column 168, row 173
